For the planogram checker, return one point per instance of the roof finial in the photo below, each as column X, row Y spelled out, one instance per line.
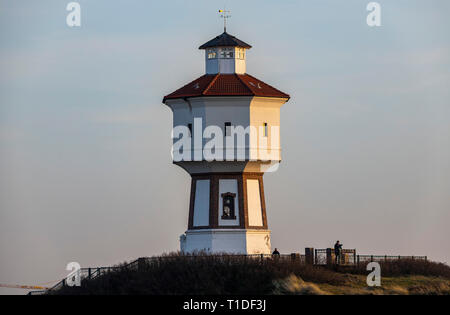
column 225, row 16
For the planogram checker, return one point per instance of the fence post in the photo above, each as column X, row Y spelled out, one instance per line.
column 309, row 255
column 385, row 257
column 371, row 258
column 316, row 260
column 425, row 258
column 329, row 257
column 89, row 273
column 358, row 260
column 354, row 256
column 412, row 257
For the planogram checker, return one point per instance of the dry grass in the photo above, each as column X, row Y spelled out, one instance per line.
column 408, row 285
column 295, row 285
column 402, row 267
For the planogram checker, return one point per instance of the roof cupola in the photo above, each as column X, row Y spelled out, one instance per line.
column 225, row 54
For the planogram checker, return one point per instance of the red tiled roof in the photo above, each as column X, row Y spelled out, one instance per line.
column 226, row 85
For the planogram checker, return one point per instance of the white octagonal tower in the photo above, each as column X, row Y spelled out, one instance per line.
column 226, row 136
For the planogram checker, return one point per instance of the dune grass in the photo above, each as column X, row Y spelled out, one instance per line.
column 225, row 275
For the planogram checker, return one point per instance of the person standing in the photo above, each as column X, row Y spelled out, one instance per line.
column 337, row 252
column 276, row 254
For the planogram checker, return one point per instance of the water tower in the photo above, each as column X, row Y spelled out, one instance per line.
column 226, row 136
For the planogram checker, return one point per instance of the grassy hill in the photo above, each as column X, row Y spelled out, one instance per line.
column 225, row 275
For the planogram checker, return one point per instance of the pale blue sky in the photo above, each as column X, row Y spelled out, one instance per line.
column 85, row 169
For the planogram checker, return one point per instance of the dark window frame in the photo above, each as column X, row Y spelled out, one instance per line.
column 227, row 131
column 266, row 130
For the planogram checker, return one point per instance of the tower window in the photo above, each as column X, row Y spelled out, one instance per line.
column 241, row 53
column 227, row 53
column 266, row 130
column 227, row 129
column 212, row 54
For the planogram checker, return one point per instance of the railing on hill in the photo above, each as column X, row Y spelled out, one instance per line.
column 92, row 273
column 317, row 257
column 381, row 258
column 85, row 273
column 326, row 256
column 320, row 256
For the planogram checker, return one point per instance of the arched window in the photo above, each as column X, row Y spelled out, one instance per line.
column 228, row 206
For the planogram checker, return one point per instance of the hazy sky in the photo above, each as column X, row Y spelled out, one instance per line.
column 85, row 165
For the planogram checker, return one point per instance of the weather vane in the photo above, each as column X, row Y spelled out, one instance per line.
column 225, row 16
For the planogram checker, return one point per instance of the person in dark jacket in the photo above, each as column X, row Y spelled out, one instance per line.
column 337, row 252
column 276, row 253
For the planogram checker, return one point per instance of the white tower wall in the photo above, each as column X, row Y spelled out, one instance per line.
column 239, row 111
column 233, row 241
